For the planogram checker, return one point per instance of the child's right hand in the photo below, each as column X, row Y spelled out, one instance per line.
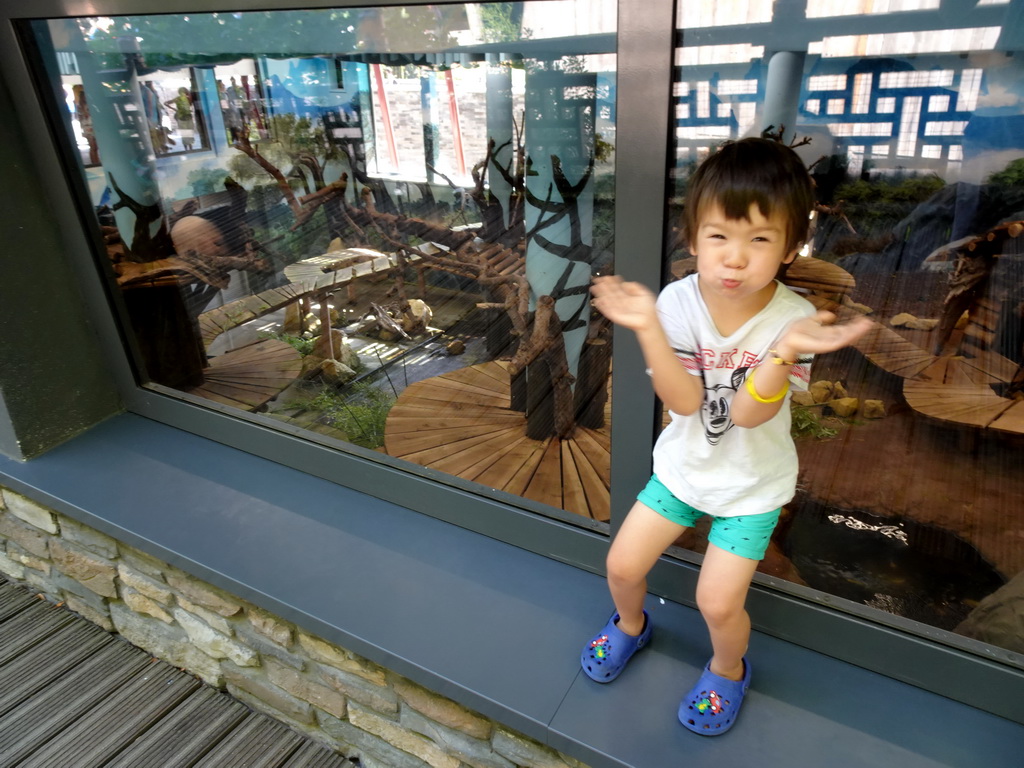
column 630, row 305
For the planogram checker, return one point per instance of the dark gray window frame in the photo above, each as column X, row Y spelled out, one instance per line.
column 905, row 650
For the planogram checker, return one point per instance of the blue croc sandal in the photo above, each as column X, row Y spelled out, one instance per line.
column 604, row 657
column 710, row 709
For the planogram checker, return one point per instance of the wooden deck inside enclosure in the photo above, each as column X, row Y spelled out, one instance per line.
column 247, row 378
column 461, row 423
column 955, row 389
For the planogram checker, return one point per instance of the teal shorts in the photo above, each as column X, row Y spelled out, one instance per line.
column 745, row 535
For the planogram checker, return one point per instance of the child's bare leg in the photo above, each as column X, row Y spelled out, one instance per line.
column 641, row 540
column 721, row 596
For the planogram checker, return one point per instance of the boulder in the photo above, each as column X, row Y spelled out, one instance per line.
column 844, row 407
column 334, row 372
column 999, row 618
column 864, row 309
column 839, row 391
column 821, row 391
column 907, row 320
column 923, row 324
column 873, row 409
column 802, row 398
column 293, row 318
column 416, row 316
column 339, row 342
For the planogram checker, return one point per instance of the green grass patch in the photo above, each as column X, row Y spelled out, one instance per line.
column 809, row 423
column 360, row 412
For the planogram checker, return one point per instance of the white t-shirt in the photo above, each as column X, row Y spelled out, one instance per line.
column 704, row 459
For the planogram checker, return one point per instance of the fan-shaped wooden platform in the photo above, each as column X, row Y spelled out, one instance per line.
column 461, row 423
column 959, row 390
column 247, row 378
column 952, row 388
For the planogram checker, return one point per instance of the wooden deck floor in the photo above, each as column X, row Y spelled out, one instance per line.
column 247, row 378
column 955, row 389
column 75, row 696
column 461, row 423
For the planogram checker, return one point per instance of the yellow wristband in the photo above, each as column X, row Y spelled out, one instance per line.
column 779, row 360
column 758, row 398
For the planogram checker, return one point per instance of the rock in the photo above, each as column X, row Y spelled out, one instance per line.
column 999, row 618
column 864, row 309
column 310, row 366
column 335, row 245
column 416, row 316
column 922, row 324
column 343, row 353
column 293, row 318
column 335, row 372
column 839, row 391
column 907, row 320
column 802, row 398
column 844, row 407
column 873, row 409
column 821, row 391
column 456, row 347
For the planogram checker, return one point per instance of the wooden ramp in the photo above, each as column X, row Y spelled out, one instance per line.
column 959, row 390
column 461, row 423
column 247, row 378
column 75, row 696
column 889, row 350
column 312, row 277
column 951, row 388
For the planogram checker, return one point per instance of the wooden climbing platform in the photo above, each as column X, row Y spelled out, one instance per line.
column 461, row 423
column 956, row 389
column 313, row 277
column 75, row 696
column 890, row 350
column 247, row 378
column 960, row 390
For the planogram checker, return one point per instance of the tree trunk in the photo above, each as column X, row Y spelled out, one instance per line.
column 592, row 384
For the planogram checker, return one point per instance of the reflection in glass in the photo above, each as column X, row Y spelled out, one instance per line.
column 376, row 224
column 909, row 444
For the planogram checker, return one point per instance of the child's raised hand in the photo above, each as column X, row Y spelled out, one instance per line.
column 819, row 334
column 630, row 305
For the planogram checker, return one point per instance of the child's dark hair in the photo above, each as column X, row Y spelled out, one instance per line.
column 749, row 171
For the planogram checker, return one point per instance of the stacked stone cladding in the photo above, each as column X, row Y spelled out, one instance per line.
column 339, row 698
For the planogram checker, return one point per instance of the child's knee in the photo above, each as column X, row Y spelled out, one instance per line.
column 623, row 568
column 719, row 608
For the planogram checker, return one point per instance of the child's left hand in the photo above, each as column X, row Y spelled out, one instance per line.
column 819, row 334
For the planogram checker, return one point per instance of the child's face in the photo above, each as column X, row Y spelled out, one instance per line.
column 739, row 258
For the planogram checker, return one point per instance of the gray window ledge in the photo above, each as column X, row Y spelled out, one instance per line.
column 494, row 627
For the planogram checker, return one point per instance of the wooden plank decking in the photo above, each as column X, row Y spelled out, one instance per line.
column 247, row 378
column 955, row 389
column 461, row 423
column 75, row 696
column 308, row 278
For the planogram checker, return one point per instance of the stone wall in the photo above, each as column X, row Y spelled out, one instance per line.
column 339, row 698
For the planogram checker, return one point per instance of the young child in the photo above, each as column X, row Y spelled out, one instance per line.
column 723, row 347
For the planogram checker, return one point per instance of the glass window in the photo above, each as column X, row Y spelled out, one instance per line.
column 374, row 225
column 907, row 502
